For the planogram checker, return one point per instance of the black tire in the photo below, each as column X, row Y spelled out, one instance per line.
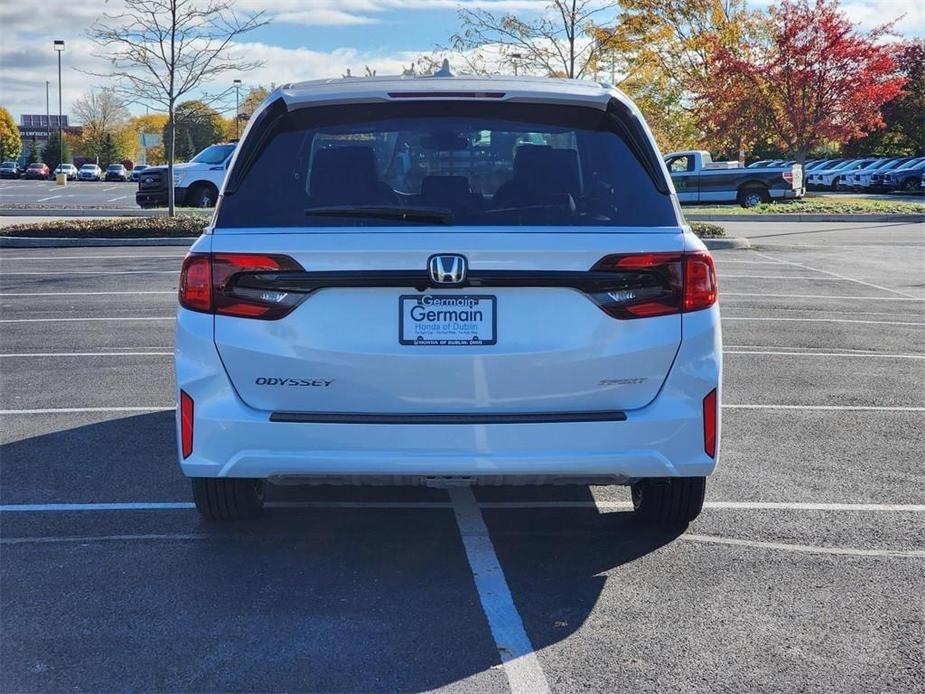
column 750, row 197
column 202, row 195
column 911, row 185
column 669, row 502
column 228, row 498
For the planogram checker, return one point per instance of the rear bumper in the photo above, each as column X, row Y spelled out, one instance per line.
column 786, row 193
column 663, row 439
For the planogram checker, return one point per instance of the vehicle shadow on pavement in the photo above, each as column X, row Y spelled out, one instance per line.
column 319, row 598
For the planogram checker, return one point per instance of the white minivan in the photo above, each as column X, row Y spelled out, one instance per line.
column 442, row 281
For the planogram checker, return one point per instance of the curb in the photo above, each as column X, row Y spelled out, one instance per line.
column 719, row 244
column 35, row 242
column 90, row 212
column 784, row 217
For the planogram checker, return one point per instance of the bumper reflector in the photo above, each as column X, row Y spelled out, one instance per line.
column 709, row 424
column 186, row 424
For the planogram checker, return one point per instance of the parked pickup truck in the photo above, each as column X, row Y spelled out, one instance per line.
column 697, row 178
column 196, row 183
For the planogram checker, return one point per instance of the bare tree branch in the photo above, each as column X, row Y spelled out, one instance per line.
column 161, row 50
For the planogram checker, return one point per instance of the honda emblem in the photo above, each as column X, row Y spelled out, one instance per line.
column 447, row 269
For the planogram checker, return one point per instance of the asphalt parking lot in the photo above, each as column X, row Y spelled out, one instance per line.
column 76, row 194
column 805, row 572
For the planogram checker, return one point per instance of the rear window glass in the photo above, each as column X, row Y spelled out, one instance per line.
column 447, row 163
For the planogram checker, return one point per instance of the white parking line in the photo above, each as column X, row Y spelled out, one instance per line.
column 51, row 197
column 822, row 296
column 723, row 275
column 31, row 355
column 85, row 320
column 521, row 665
column 833, row 274
column 825, row 408
column 80, row 410
column 810, row 549
column 877, row 355
column 603, row 506
column 61, row 275
column 3, row 294
column 121, row 197
column 712, row 539
column 823, row 320
column 178, row 256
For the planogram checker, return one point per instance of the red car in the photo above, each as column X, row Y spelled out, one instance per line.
column 38, row 170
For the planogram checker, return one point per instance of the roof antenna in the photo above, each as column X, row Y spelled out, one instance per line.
column 444, row 70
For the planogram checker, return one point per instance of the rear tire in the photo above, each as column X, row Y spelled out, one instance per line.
column 228, row 498
column 751, row 197
column 669, row 502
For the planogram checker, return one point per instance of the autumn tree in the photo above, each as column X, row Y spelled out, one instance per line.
column 254, row 98
column 656, row 51
column 150, row 124
column 10, row 139
column 812, row 77
column 904, row 117
column 162, row 50
column 557, row 43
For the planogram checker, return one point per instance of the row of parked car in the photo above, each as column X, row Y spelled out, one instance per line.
column 872, row 174
column 87, row 172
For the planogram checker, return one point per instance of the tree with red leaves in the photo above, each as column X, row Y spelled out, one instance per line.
column 811, row 77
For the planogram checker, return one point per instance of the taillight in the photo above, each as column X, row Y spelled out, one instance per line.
column 186, row 424
column 196, row 282
column 657, row 284
column 709, row 424
column 788, row 176
column 208, row 283
column 700, row 286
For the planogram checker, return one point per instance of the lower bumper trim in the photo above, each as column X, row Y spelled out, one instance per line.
column 447, row 418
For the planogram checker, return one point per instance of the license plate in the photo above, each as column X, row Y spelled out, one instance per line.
column 447, row 319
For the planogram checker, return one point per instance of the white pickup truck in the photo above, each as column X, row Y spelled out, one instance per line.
column 196, row 182
column 697, row 179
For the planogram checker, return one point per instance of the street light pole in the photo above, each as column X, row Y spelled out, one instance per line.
column 237, row 108
column 59, row 48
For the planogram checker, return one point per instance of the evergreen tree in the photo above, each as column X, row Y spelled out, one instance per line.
column 52, row 152
column 109, row 153
column 35, row 155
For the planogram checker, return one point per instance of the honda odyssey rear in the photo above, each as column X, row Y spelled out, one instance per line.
column 442, row 280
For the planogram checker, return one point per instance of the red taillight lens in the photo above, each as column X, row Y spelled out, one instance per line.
column 196, row 282
column 700, row 286
column 788, row 176
column 657, row 284
column 709, row 423
column 207, row 284
column 186, row 424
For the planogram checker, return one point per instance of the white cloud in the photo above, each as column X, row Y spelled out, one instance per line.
column 911, row 15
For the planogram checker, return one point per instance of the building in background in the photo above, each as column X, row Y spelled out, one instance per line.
column 35, row 128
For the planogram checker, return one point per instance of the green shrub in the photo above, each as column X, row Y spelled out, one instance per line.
column 112, row 227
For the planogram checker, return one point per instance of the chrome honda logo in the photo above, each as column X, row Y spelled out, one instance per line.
column 447, row 269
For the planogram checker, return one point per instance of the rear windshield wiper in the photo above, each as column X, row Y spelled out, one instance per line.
column 439, row 215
